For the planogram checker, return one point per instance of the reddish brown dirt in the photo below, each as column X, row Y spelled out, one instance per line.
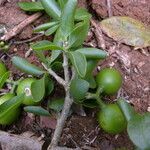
column 134, row 66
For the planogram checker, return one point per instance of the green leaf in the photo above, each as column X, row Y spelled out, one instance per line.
column 45, row 26
column 127, row 30
column 82, row 14
column 67, row 18
column 51, row 8
column 38, row 89
column 56, row 104
column 93, row 53
column 51, row 30
column 4, row 78
column 62, row 3
column 91, row 64
column 79, row 33
column 78, row 89
column 26, row 67
column 126, row 108
column 11, row 104
column 79, row 62
column 54, row 55
column 45, row 45
column 139, row 131
column 31, row 6
column 56, row 66
column 41, row 56
column 90, row 103
column 49, row 85
column 37, row 110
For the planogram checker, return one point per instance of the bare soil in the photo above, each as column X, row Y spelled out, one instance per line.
column 82, row 131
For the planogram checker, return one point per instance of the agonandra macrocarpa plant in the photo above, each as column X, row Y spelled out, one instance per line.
column 70, row 26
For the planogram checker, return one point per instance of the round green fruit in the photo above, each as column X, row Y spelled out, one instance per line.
column 111, row 119
column 25, row 87
column 109, row 80
column 11, row 115
column 3, row 69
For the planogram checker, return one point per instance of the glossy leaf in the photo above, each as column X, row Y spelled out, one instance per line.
column 4, row 78
column 79, row 33
column 91, row 64
column 56, row 104
column 78, row 89
column 79, row 62
column 51, row 30
column 56, row 66
column 90, row 103
column 45, row 45
column 37, row 110
column 127, row 30
column 67, row 18
column 54, row 55
column 41, row 56
column 62, row 3
column 49, row 85
column 139, row 131
column 31, row 6
column 45, row 26
column 38, row 89
column 93, row 53
column 126, row 108
column 82, row 14
column 11, row 104
column 25, row 66
column 51, row 8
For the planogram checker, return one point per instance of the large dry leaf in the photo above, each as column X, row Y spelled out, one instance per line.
column 127, row 30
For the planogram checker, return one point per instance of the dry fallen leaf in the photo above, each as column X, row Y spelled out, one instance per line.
column 127, row 30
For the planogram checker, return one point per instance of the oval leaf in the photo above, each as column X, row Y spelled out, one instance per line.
column 4, row 78
column 45, row 45
column 82, row 14
column 127, row 30
column 37, row 110
column 45, row 26
column 67, row 19
column 139, row 131
column 51, row 8
column 31, row 6
column 79, row 33
column 51, row 30
column 25, row 66
column 11, row 104
column 49, row 85
column 78, row 89
column 56, row 104
column 38, row 89
column 79, row 62
column 93, row 53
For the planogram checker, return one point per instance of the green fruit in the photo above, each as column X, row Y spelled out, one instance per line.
column 3, row 69
column 109, row 80
column 11, row 115
column 111, row 119
column 25, row 87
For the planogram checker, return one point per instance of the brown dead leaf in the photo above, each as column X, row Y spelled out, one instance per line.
column 127, row 30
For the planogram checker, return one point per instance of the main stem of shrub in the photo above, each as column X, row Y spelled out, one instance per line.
column 68, row 101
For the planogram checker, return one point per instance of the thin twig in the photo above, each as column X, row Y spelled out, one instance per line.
column 109, row 8
column 66, row 108
column 28, row 40
column 52, row 73
column 99, row 35
column 66, row 68
column 17, row 29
